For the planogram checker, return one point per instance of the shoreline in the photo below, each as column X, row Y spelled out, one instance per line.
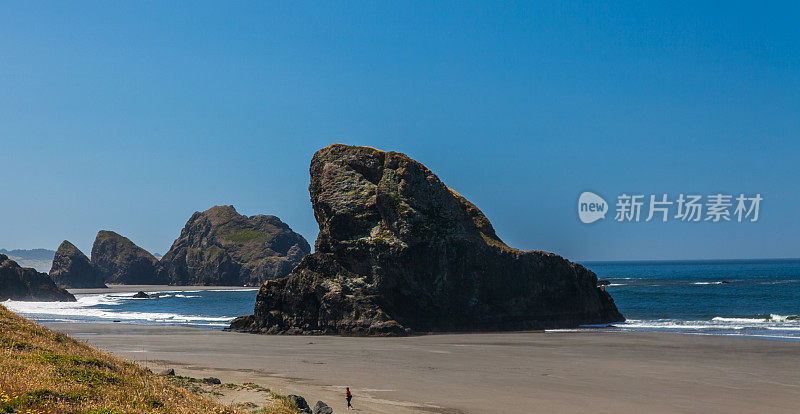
column 619, row 372
column 611, row 327
column 153, row 288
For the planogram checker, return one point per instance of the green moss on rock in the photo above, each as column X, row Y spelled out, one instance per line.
column 222, row 247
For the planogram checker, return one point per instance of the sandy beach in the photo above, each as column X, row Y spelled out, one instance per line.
column 566, row 372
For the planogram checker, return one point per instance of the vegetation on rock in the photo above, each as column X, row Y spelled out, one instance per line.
column 222, row 247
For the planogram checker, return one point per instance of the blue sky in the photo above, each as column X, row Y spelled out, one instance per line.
column 131, row 116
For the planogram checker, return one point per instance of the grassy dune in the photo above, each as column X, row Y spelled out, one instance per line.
column 42, row 371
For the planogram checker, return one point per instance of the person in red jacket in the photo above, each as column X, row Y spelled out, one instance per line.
column 349, row 397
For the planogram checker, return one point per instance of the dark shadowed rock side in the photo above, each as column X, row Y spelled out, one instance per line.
column 222, row 247
column 72, row 269
column 123, row 262
column 400, row 252
column 26, row 284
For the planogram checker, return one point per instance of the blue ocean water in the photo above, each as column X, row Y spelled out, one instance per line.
column 757, row 298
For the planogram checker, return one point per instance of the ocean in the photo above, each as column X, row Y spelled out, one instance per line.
column 755, row 298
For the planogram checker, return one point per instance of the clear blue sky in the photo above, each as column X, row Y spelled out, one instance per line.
column 130, row 116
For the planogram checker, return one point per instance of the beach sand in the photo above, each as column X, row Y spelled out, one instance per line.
column 563, row 372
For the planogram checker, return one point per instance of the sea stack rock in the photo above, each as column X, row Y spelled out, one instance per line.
column 26, row 284
column 123, row 262
column 400, row 252
column 141, row 295
column 72, row 269
column 222, row 247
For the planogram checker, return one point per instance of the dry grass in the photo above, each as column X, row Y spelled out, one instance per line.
column 257, row 399
column 42, row 371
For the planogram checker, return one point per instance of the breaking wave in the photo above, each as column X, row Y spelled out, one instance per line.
column 204, row 308
column 781, row 326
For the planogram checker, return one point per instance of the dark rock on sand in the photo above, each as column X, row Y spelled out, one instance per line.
column 322, row 408
column 222, row 247
column 26, row 284
column 123, row 262
column 300, row 403
column 212, row 380
column 141, row 295
column 399, row 251
column 72, row 269
column 167, row 372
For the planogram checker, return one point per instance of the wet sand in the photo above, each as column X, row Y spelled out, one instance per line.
column 565, row 372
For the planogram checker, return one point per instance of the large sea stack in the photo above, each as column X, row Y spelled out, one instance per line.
column 400, row 252
column 222, row 247
column 123, row 262
column 72, row 269
column 26, row 284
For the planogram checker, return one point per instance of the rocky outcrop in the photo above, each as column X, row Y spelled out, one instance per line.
column 72, row 269
column 123, row 262
column 39, row 259
column 26, row 284
column 300, row 403
column 222, row 247
column 322, row 408
column 399, row 252
column 141, row 295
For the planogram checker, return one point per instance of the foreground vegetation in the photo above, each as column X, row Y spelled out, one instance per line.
column 42, row 371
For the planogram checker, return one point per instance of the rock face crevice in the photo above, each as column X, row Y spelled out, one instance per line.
column 26, row 284
column 72, row 269
column 222, row 247
column 400, row 252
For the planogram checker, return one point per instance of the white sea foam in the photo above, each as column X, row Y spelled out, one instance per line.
column 102, row 307
column 772, row 319
column 782, row 318
column 707, row 283
column 752, row 326
column 772, row 327
column 783, row 328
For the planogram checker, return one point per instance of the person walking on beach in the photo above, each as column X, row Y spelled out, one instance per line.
column 349, row 397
